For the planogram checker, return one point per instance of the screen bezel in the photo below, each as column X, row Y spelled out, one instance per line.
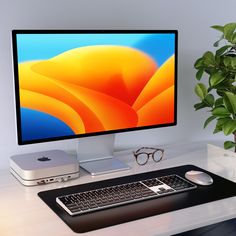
column 17, row 91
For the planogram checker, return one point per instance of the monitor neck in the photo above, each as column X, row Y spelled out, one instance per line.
column 95, row 155
column 95, row 148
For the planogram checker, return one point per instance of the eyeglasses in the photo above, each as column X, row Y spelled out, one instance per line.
column 142, row 154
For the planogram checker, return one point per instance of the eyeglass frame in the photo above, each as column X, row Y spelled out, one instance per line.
column 148, row 154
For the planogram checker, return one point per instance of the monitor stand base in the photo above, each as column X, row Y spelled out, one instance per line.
column 104, row 166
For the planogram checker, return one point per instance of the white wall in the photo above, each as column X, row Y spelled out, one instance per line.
column 191, row 17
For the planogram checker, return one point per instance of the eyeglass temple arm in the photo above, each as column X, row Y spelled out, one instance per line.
column 156, row 149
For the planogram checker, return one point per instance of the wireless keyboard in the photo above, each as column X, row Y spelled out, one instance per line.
column 102, row 198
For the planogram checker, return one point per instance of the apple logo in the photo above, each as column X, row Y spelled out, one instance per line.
column 43, row 159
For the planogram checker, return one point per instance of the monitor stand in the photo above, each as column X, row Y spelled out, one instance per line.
column 95, row 155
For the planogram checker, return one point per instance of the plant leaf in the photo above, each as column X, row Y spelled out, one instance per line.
column 199, row 74
column 233, row 62
column 208, row 58
column 215, row 79
column 230, row 102
column 234, row 38
column 200, row 90
column 210, row 69
column 209, row 100
column 208, row 120
column 220, row 123
column 218, row 127
column 229, row 30
column 229, row 127
column 221, row 50
column 200, row 105
column 221, row 112
column 229, row 144
column 218, row 27
column 218, row 102
column 220, row 92
column 199, row 63
column 227, row 61
column 216, row 130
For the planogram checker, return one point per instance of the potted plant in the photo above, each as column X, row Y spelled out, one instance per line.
column 218, row 93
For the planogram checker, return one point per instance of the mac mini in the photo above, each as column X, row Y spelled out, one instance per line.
column 44, row 167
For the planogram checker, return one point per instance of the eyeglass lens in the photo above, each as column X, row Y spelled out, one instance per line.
column 142, row 158
column 157, row 155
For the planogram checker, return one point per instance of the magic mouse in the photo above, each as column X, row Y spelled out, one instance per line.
column 199, row 177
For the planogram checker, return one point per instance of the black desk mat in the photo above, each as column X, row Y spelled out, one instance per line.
column 221, row 188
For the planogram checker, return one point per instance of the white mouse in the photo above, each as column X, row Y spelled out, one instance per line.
column 199, row 177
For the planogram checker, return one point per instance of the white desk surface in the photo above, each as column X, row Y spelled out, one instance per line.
column 23, row 213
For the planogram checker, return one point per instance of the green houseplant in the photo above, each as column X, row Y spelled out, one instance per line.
column 217, row 89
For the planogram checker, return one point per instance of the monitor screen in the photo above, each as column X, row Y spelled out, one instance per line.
column 75, row 83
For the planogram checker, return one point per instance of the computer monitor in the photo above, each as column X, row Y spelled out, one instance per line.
column 93, row 84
